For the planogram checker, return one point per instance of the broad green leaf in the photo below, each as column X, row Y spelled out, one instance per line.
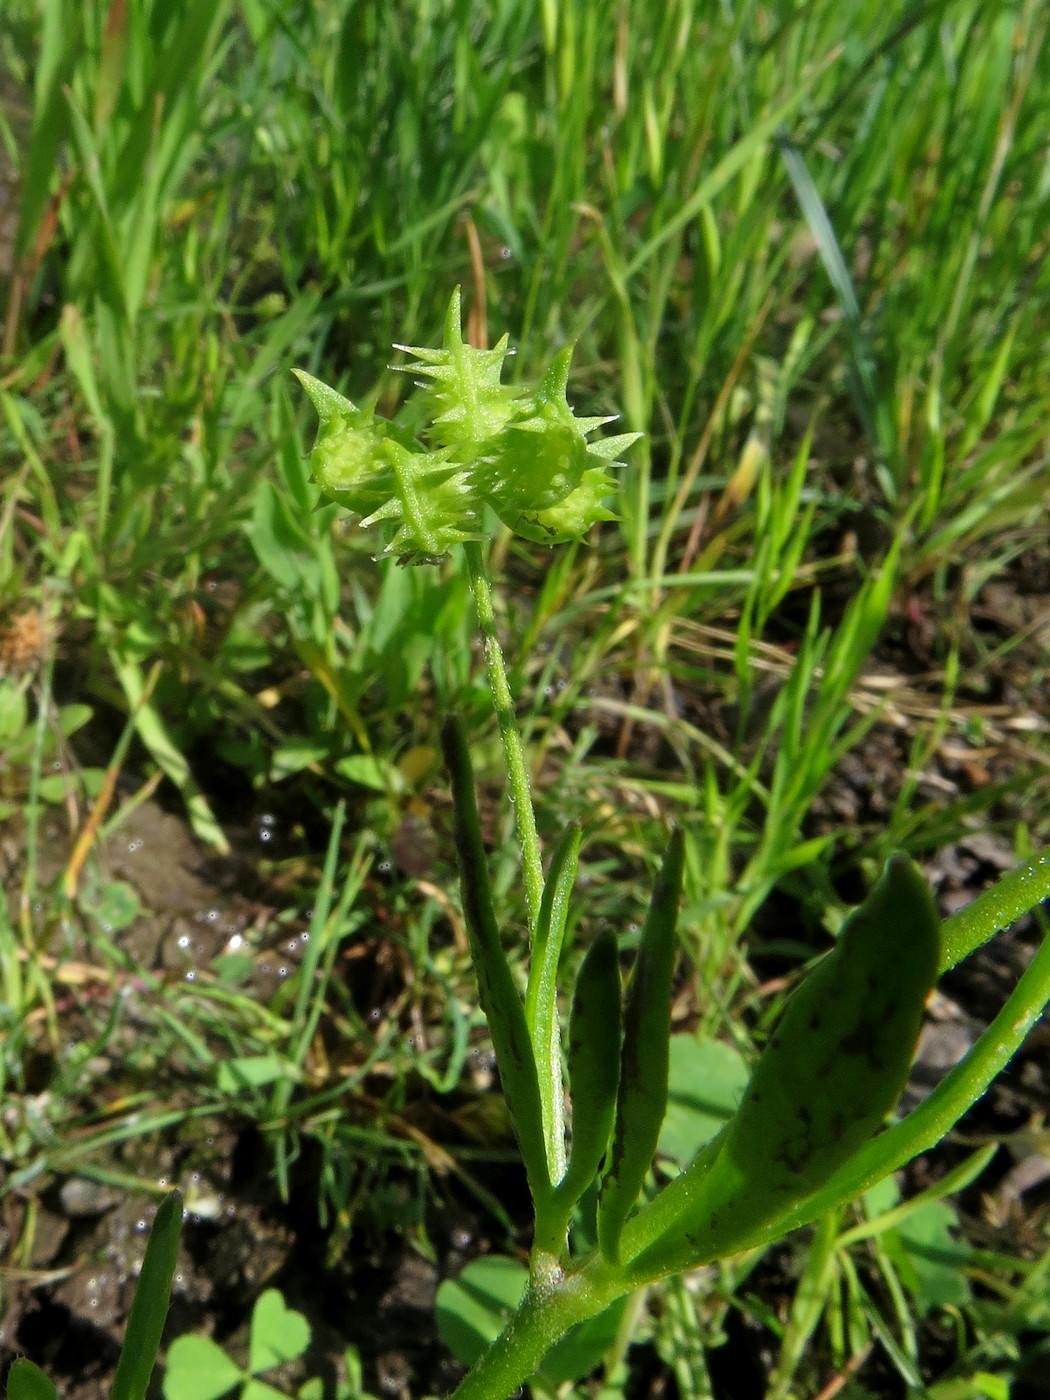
column 833, row 1068
column 114, row 906
column 882, row 1197
column 73, row 717
column 371, row 772
column 197, row 1369
column 279, row 1333
column 350, row 1389
column 259, row 1390
column 14, row 712
column 473, row 1309
column 92, row 780
column 294, row 757
column 234, row 968
column 26, row 1381
column 707, row 1081
column 583, row 1347
column 837, row 1062
column 253, row 1072
column 55, row 787
column 929, row 1259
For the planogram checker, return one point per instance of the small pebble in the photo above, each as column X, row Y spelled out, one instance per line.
column 80, row 1198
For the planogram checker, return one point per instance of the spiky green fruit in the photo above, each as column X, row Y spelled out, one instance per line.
column 526, row 455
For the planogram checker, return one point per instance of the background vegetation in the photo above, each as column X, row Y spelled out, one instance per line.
column 802, row 248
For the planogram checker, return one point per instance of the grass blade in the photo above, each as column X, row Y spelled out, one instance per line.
column 149, row 1311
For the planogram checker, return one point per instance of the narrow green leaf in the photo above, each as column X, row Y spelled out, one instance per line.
column 644, row 1064
column 732, row 161
column 189, row 46
column 541, row 996
column 60, row 44
column 958, row 1179
column 154, row 735
column 876, row 426
column 150, row 1308
column 277, row 538
column 499, row 996
column 79, row 357
column 594, row 1063
column 108, row 246
column 112, row 54
column 291, row 461
column 819, row 1276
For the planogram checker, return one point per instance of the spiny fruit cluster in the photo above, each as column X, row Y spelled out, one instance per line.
column 522, row 452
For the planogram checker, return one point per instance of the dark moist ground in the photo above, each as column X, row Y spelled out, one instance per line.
column 78, row 1244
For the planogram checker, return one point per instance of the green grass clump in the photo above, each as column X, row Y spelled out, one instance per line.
column 802, row 250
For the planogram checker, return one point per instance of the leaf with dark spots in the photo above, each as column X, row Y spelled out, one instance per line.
column 831, row 1071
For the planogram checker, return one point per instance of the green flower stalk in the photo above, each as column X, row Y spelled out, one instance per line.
column 810, row 1132
column 521, row 452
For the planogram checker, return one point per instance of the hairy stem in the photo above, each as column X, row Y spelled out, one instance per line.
column 550, row 1307
column 517, row 773
column 996, row 908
